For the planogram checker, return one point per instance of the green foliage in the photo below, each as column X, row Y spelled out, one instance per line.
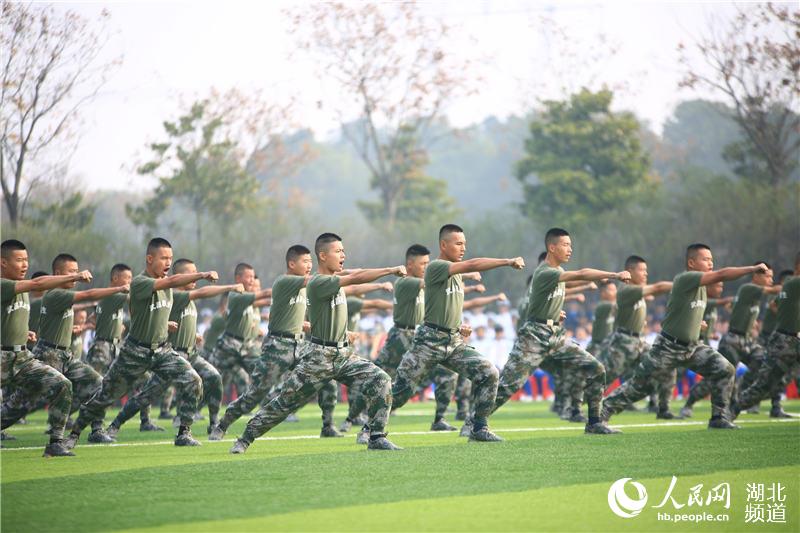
column 581, row 160
column 70, row 214
column 198, row 166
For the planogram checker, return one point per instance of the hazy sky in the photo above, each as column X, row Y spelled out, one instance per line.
column 171, row 49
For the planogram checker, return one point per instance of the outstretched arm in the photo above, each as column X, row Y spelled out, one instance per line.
column 484, row 300
column 376, row 304
column 730, row 273
column 210, row 291
column 363, row 288
column 481, row 264
column 96, row 294
column 575, row 287
column 591, row 274
column 657, row 288
column 179, row 280
column 44, row 283
column 480, row 287
column 367, row 275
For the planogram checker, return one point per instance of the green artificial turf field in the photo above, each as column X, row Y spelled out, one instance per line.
column 547, row 476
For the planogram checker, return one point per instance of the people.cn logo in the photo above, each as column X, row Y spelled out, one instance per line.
column 621, row 504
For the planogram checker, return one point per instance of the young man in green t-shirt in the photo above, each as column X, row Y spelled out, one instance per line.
column 24, row 378
column 146, row 347
column 328, row 355
column 282, row 346
column 109, row 313
column 678, row 344
column 439, row 339
column 542, row 338
column 55, row 335
column 183, row 341
column 739, row 342
column 783, row 349
column 626, row 344
column 230, row 356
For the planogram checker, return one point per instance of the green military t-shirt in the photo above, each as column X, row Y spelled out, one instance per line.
column 55, row 322
column 240, row 314
column 255, row 324
column 710, row 318
column 354, row 306
column 215, row 329
column 33, row 317
column 327, row 308
column 149, row 310
column 184, row 312
column 631, row 309
column 15, row 311
column 788, row 319
column 546, row 295
column 444, row 298
column 409, row 302
column 109, row 316
column 746, row 306
column 603, row 320
column 288, row 307
column 685, row 308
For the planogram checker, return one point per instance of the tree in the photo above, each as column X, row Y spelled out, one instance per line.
column 50, row 70
column 198, row 164
column 390, row 64
column 755, row 64
column 582, row 160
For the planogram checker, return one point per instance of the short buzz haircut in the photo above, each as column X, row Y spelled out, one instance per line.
column 553, row 234
column 765, row 264
column 633, row 260
column 785, row 274
column 692, row 249
column 241, row 267
column 119, row 268
column 323, row 241
column 542, row 257
column 38, row 274
column 606, row 283
column 11, row 245
column 62, row 258
column 178, row 265
column 295, row 252
column 447, row 229
column 416, row 250
column 156, row 243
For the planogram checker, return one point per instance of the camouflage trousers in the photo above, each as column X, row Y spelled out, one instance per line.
column 432, row 347
column 539, row 342
column 101, row 355
column 85, row 381
column 778, row 369
column 279, row 356
column 156, row 386
column 736, row 348
column 28, row 379
column 232, row 362
column 662, row 360
column 398, row 342
column 129, row 366
column 317, row 366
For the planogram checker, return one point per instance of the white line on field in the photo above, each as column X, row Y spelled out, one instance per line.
column 576, row 427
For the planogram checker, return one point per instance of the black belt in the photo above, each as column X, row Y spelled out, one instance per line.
column 740, row 333
column 407, row 328
column 675, row 339
column 286, row 335
column 238, row 338
column 16, row 348
column 51, row 345
column 112, row 341
column 330, row 344
column 148, row 345
column 440, row 328
column 789, row 333
column 629, row 333
column 182, row 350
